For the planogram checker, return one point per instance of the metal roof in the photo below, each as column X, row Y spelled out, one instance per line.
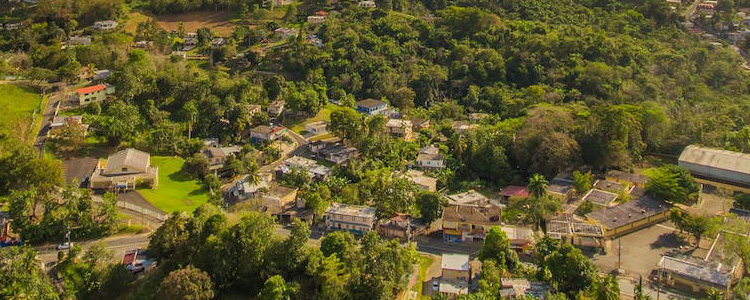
column 715, row 158
column 698, row 270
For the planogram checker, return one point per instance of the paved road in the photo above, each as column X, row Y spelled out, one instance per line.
column 118, row 245
column 49, row 114
column 301, row 143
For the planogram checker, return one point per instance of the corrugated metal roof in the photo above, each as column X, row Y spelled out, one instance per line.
column 698, row 270
column 715, row 158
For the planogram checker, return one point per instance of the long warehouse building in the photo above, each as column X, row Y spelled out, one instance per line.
column 718, row 165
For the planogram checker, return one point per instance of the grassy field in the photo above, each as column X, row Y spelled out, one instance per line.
column 323, row 115
column 176, row 192
column 425, row 261
column 18, row 105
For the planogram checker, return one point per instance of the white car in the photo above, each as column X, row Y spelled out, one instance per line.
column 64, row 246
column 435, row 285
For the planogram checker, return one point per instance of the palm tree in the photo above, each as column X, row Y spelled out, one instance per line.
column 537, row 186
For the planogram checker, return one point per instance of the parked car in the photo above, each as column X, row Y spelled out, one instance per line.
column 64, row 246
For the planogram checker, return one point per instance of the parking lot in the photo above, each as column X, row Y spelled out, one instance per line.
column 640, row 251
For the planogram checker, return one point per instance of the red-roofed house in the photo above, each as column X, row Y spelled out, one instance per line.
column 94, row 93
column 512, row 191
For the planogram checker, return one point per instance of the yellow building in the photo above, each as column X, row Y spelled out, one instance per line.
column 630, row 216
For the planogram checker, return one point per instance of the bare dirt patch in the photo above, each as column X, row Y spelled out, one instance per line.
column 218, row 22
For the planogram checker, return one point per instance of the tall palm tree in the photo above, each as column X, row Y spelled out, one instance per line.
column 537, row 186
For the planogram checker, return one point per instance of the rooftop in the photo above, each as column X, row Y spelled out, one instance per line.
column 697, row 269
column 608, row 186
column 91, row 89
column 129, row 157
column 431, row 149
column 267, row 129
column 514, row 191
column 455, row 261
column 473, row 214
column 398, row 123
column 560, row 186
column 281, row 191
column 629, row 212
column 518, row 233
column 370, row 103
column 351, row 210
column 715, row 158
column 599, row 197
column 453, row 287
column 470, row 197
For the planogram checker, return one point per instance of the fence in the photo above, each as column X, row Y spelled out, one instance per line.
column 140, row 209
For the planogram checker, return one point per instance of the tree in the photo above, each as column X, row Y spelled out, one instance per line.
column 329, row 276
column 337, row 242
column 23, row 169
column 21, row 277
column 276, row 288
column 187, row 283
column 582, row 181
column 672, row 184
column 638, row 291
column 346, row 123
column 606, row 288
column 694, row 224
column 537, row 186
column 571, row 271
column 430, row 206
column 496, row 247
column 714, row 294
column 120, row 122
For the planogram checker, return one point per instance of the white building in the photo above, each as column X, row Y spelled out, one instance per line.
column 429, row 158
column 105, row 25
column 717, row 165
column 357, row 219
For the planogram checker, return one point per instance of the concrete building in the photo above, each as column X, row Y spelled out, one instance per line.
column 633, row 179
column 717, row 165
column 514, row 191
column 371, row 106
column 568, row 230
column 469, row 222
column 522, row 288
column 336, row 153
column 105, row 25
column 357, row 219
column 276, row 108
column 94, row 93
column 218, row 155
column 60, row 124
column 630, row 216
column 317, row 128
column 278, row 199
column 456, row 274
column 401, row 226
column 313, row 168
column 600, row 198
column 400, row 129
column 125, row 170
column 429, row 159
column 560, row 188
column 521, row 238
column 265, row 133
column 425, row 183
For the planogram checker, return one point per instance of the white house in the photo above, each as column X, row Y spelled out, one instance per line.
column 105, row 25
column 429, row 158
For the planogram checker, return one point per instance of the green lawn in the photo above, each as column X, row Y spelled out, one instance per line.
column 425, row 261
column 323, row 115
column 176, row 192
column 18, row 104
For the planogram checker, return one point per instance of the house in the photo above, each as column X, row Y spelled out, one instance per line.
column 315, row 19
column 102, row 74
column 125, row 170
column 218, row 155
column 463, row 126
column 357, row 219
column 400, row 226
column 425, row 183
column 469, row 222
column 338, row 153
column 514, row 191
column 143, row 44
column 522, row 288
column 218, row 42
column 244, row 188
column 474, row 117
column 84, row 40
column 626, row 178
column 278, row 199
column 630, row 216
column 371, row 107
column 560, row 188
column 61, row 123
column 720, row 268
column 522, row 239
column 717, row 165
column 315, row 40
column 190, row 42
column 276, row 108
column 317, row 128
column 265, row 133
column 286, row 33
column 400, row 129
column 470, row 197
column 13, row 26
column 105, row 25
column 367, row 4
column 182, row 54
column 568, row 230
column 315, row 170
column 429, row 159
column 600, row 198
column 609, row 186
column 455, row 274
column 420, row 124
column 94, row 93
